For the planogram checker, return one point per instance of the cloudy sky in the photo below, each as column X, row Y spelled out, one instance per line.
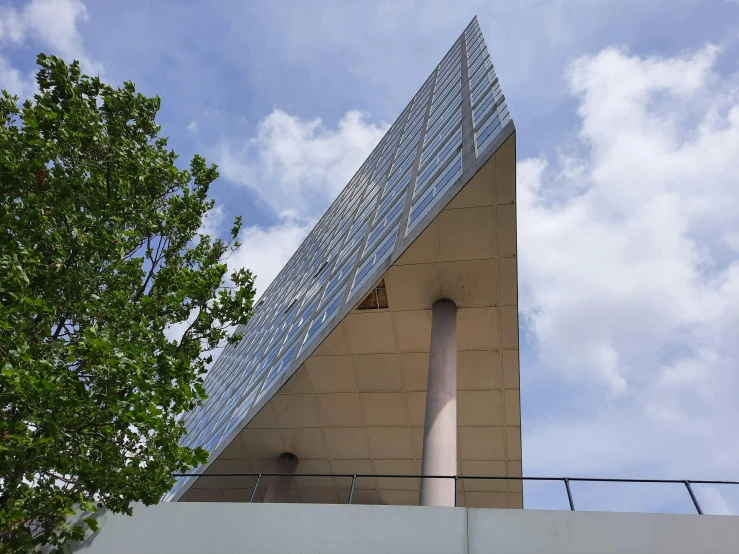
column 628, row 186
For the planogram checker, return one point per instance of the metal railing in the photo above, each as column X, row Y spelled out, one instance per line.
column 566, row 480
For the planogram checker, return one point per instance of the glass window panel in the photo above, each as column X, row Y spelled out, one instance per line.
column 450, row 59
column 480, row 78
column 396, row 209
column 343, row 271
column 393, row 196
column 472, row 60
column 445, row 180
column 357, row 231
column 412, row 135
column 488, row 138
column 408, row 149
column 281, row 366
column 420, row 107
column 233, row 423
column 424, row 90
column 384, row 222
column 473, row 49
column 442, row 88
column 483, row 108
column 439, row 133
column 382, row 171
column 477, row 93
column 445, row 75
column 415, row 118
column 442, row 116
column 454, row 72
column 323, row 318
column 407, row 161
column 480, row 64
column 421, row 204
column 452, row 143
column 430, row 169
column 301, row 322
column 453, row 98
column 383, row 251
column 479, row 69
column 375, row 234
column 487, row 129
column 481, row 61
column 395, row 185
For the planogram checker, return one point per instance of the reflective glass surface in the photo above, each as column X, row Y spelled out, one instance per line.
column 403, row 179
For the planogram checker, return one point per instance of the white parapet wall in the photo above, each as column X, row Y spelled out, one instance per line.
column 198, row 528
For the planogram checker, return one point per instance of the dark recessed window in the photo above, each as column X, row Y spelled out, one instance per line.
column 376, row 299
column 323, row 265
column 292, row 303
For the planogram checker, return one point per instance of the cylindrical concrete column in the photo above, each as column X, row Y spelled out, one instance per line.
column 440, row 425
column 280, row 486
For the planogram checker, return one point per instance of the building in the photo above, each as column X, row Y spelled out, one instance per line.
column 333, row 365
column 399, row 310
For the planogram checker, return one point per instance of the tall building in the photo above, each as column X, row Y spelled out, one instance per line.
column 385, row 351
column 388, row 344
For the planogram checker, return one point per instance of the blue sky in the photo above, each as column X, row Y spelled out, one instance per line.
column 628, row 164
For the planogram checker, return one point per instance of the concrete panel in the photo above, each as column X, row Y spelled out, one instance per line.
column 551, row 532
column 377, row 372
column 195, row 528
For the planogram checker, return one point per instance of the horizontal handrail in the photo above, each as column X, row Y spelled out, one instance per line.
column 499, row 477
column 566, row 480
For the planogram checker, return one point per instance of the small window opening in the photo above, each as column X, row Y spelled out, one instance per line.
column 289, row 307
column 323, row 266
column 376, row 299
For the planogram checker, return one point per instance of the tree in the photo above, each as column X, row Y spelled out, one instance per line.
column 100, row 255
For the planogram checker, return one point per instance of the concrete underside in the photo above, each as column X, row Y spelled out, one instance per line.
column 357, row 404
column 197, row 527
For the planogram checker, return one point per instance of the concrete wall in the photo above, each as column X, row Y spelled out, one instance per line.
column 191, row 527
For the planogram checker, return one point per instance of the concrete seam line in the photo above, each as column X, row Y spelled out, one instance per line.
column 467, row 526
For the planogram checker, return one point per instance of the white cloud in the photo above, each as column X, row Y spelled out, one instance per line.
column 628, row 290
column 52, row 24
column 11, row 26
column 628, row 261
column 192, row 126
column 296, row 167
column 212, row 222
column 731, row 239
column 266, row 250
column 296, row 164
column 15, row 82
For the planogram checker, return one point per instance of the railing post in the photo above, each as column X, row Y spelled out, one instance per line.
column 569, row 493
column 693, row 498
column 456, row 478
column 351, row 491
column 254, row 492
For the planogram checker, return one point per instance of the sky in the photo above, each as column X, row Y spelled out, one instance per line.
column 627, row 118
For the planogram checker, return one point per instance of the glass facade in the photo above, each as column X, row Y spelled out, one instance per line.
column 446, row 128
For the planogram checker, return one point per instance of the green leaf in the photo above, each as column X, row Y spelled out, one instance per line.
column 92, row 523
column 99, row 260
column 88, row 506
